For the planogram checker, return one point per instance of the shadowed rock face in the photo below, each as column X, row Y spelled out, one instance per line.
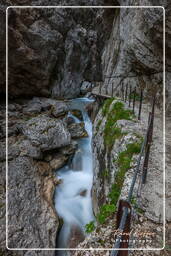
column 52, row 51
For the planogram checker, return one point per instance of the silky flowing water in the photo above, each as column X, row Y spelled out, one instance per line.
column 74, row 207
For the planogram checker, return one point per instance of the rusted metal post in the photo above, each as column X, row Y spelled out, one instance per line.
column 130, row 92
column 140, row 105
column 100, row 86
column 145, row 164
column 106, row 88
column 148, row 144
column 122, row 91
column 133, row 106
column 152, row 119
column 126, row 231
column 112, row 88
column 126, row 92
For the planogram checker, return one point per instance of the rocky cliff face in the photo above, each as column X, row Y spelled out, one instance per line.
column 53, row 51
column 134, row 52
column 107, row 150
column 41, row 140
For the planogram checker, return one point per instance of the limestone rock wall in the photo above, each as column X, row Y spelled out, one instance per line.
column 134, row 52
column 52, row 51
column 40, row 141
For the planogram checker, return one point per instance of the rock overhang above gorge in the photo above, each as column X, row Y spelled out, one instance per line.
column 46, row 44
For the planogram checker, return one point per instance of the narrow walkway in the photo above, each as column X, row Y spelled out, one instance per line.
column 152, row 192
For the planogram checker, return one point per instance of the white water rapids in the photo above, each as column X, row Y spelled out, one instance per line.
column 73, row 208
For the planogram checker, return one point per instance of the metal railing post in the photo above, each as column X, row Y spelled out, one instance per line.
column 100, row 88
column 140, row 105
column 130, row 92
column 106, row 88
column 126, row 92
column 112, row 88
column 133, row 106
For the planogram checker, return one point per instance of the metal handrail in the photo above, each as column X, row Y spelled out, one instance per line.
column 125, row 210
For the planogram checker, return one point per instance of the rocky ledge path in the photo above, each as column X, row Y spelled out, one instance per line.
column 151, row 200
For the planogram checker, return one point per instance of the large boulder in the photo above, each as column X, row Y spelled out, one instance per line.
column 77, row 130
column 59, row 109
column 46, row 133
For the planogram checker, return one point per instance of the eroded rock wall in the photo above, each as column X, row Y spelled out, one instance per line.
column 134, row 52
column 52, row 50
column 40, row 141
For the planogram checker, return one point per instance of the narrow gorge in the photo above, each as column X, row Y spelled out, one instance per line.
column 81, row 84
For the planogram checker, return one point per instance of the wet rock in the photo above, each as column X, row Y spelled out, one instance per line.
column 92, row 109
column 76, row 236
column 43, row 168
column 83, row 193
column 69, row 120
column 70, row 149
column 86, row 87
column 77, row 130
column 46, row 133
column 59, row 109
column 58, row 162
column 77, row 113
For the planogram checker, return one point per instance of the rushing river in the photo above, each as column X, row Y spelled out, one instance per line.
column 73, row 196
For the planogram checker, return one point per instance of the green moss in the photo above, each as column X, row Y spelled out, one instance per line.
column 105, row 211
column 90, row 227
column 111, row 131
column 106, row 106
column 105, row 173
column 124, row 161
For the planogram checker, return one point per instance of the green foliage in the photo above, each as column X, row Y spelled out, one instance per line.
column 124, row 160
column 111, row 131
column 124, row 163
column 106, row 106
column 90, row 227
column 105, row 211
column 105, row 173
column 114, row 193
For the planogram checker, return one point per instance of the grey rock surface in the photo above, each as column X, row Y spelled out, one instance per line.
column 134, row 53
column 77, row 130
column 105, row 164
column 51, row 51
column 33, row 156
column 28, row 213
column 86, row 87
column 46, row 133
column 59, row 109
